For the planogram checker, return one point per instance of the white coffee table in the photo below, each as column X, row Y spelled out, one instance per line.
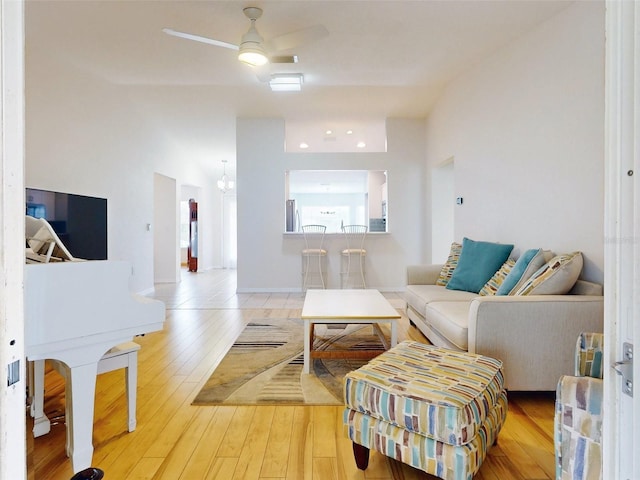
column 346, row 306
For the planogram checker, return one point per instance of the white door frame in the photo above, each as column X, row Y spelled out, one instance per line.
column 621, row 427
column 13, row 464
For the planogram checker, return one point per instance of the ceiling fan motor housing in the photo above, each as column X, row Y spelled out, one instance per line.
column 253, row 13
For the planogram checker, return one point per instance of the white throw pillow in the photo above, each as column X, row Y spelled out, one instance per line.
column 540, row 259
column 556, row 277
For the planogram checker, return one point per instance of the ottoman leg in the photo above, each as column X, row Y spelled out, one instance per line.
column 361, row 454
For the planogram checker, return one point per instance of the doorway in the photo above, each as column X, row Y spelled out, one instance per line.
column 443, row 213
column 187, row 193
column 166, row 263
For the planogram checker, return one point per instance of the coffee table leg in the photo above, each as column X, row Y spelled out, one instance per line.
column 394, row 333
column 307, row 349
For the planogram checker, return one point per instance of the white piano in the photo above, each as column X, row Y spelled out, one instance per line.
column 75, row 311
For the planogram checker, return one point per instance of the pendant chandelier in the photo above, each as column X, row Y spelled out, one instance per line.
column 225, row 183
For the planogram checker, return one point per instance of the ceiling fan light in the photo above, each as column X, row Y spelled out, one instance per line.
column 252, row 54
column 251, row 51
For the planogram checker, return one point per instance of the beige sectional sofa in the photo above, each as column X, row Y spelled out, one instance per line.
column 534, row 335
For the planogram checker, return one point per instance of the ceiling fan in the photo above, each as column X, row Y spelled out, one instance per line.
column 253, row 50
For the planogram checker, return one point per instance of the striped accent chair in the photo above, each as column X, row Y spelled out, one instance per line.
column 578, row 418
column 435, row 409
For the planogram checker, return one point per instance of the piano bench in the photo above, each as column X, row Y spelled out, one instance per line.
column 124, row 356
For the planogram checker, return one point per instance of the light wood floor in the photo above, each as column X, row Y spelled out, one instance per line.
column 177, row 441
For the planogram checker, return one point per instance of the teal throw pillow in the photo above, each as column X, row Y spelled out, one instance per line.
column 477, row 264
column 516, row 272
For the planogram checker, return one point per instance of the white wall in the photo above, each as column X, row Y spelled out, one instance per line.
column 526, row 129
column 269, row 260
column 90, row 137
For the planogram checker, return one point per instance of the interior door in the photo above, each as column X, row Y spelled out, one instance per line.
column 621, row 423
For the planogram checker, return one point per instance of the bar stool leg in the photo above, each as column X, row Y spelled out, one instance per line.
column 320, row 270
column 305, row 271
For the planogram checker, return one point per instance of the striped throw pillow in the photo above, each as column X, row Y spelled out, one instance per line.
column 492, row 286
column 450, row 266
column 556, row 277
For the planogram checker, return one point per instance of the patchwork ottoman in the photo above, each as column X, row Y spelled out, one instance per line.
column 435, row 409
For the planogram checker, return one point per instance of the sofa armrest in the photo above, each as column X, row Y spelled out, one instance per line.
column 534, row 336
column 423, row 274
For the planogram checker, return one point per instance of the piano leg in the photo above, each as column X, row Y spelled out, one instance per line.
column 41, row 423
column 132, row 384
column 80, row 393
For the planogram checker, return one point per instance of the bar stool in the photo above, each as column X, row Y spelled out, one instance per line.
column 355, row 252
column 313, row 240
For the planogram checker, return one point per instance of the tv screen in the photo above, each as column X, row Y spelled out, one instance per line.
column 79, row 221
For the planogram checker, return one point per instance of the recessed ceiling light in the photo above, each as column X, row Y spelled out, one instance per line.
column 361, row 145
column 328, row 132
column 349, row 132
column 304, row 145
column 286, row 82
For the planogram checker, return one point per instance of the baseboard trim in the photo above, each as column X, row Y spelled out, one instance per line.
column 298, row 290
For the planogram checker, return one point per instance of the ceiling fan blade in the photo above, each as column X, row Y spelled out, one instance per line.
column 283, row 59
column 291, row 40
column 198, row 38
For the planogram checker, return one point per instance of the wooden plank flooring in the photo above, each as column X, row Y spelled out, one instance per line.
column 177, row 441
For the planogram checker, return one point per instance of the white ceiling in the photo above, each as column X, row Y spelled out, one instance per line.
column 381, row 58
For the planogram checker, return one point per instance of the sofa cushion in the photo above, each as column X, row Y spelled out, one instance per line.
column 418, row 296
column 450, row 265
column 494, row 283
column 582, row 287
column 477, row 264
column 528, row 263
column 556, row 277
column 450, row 320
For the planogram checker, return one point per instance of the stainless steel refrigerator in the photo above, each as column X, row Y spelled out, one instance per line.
column 291, row 216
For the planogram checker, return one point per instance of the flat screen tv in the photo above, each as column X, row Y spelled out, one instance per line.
column 79, row 221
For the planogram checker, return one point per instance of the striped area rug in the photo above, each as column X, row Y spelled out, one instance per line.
column 264, row 365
